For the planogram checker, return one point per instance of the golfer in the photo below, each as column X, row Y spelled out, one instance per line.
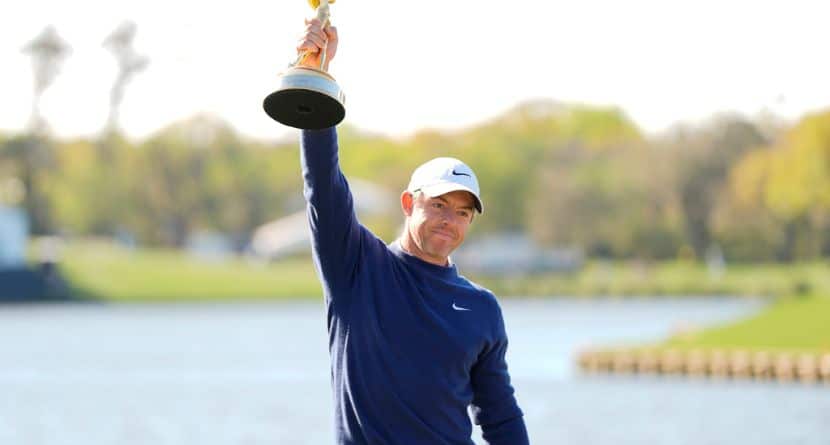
column 413, row 344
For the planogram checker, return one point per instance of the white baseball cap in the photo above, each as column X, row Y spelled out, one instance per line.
column 443, row 175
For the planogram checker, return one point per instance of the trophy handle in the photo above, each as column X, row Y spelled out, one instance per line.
column 323, row 15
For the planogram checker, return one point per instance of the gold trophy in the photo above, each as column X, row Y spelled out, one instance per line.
column 308, row 98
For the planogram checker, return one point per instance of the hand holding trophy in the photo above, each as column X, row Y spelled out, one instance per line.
column 308, row 97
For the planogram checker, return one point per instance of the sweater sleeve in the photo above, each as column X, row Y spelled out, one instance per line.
column 509, row 432
column 494, row 406
column 335, row 231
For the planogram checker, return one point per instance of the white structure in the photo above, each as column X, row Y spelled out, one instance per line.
column 209, row 246
column 14, row 233
column 290, row 235
column 282, row 237
column 514, row 254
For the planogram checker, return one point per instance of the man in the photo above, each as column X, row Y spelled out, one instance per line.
column 413, row 344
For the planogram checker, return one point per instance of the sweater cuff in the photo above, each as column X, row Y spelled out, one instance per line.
column 509, row 432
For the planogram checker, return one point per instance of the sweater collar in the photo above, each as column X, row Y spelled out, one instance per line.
column 446, row 272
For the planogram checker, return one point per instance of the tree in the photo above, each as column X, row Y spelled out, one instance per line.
column 33, row 153
column 120, row 43
column 703, row 158
column 789, row 182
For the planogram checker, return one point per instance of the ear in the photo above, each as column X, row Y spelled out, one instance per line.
column 407, row 202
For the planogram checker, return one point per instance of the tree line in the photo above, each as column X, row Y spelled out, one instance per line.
column 567, row 175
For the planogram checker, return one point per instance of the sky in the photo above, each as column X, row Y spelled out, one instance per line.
column 436, row 64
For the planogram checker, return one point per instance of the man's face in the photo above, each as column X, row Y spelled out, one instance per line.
column 438, row 225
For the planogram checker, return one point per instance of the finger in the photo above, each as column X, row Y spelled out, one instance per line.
column 331, row 32
column 307, row 46
column 314, row 24
column 314, row 29
column 317, row 32
column 320, row 41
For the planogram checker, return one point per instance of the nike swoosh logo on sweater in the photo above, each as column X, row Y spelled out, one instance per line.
column 459, row 308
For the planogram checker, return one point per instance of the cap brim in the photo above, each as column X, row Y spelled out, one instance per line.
column 442, row 188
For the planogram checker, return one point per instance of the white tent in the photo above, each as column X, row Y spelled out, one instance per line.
column 290, row 234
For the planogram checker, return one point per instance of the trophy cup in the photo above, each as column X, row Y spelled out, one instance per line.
column 308, row 98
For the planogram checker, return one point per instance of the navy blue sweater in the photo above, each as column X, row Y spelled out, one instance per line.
column 412, row 344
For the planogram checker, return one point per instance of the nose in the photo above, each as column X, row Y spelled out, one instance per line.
column 448, row 216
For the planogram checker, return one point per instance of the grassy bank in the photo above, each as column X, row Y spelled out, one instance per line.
column 671, row 278
column 789, row 340
column 109, row 272
column 112, row 273
column 800, row 324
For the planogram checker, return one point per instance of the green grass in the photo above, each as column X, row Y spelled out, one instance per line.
column 670, row 278
column 790, row 324
column 108, row 272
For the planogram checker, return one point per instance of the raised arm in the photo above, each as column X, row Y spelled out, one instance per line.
column 336, row 233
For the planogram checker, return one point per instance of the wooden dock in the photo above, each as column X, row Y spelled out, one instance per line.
column 735, row 364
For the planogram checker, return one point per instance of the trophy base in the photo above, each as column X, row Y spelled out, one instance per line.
column 307, row 98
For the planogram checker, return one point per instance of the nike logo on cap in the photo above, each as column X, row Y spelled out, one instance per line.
column 459, row 308
column 460, row 174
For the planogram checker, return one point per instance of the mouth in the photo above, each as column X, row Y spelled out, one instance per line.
column 443, row 234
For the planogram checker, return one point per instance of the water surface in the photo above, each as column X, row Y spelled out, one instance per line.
column 258, row 374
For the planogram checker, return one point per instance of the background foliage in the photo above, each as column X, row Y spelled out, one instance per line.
column 569, row 176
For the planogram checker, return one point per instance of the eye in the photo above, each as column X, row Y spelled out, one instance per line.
column 464, row 214
column 437, row 205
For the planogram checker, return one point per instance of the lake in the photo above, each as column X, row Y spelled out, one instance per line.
column 258, row 374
